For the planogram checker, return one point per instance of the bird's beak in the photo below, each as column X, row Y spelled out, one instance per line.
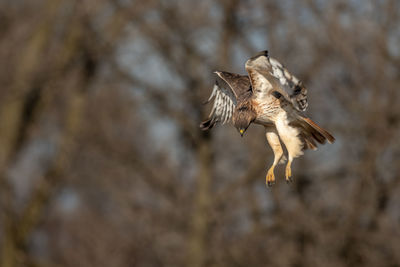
column 241, row 132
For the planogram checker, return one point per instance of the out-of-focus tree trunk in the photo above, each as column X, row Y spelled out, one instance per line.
column 198, row 249
column 16, row 125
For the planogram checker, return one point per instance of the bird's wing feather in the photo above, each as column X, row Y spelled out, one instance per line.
column 263, row 83
column 227, row 91
column 239, row 84
column 290, row 83
column 267, row 75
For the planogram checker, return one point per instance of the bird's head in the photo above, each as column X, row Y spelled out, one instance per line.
column 242, row 119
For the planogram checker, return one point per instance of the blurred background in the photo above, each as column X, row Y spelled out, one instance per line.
column 102, row 162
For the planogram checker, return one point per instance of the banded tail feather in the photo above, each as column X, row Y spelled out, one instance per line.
column 312, row 134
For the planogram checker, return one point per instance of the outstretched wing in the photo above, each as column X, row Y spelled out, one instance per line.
column 291, row 84
column 267, row 75
column 227, row 91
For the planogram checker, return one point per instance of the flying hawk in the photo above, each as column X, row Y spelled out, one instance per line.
column 272, row 97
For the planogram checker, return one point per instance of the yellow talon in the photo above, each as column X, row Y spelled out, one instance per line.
column 288, row 173
column 270, row 179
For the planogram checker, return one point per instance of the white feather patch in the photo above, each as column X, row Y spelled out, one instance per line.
column 289, row 136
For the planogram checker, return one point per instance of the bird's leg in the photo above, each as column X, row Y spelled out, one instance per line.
column 290, row 137
column 270, row 179
column 288, row 171
column 275, row 143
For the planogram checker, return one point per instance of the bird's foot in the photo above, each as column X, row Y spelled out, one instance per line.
column 288, row 173
column 270, row 179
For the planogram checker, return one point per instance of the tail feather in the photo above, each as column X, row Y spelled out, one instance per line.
column 311, row 133
column 317, row 132
column 320, row 130
column 308, row 141
column 317, row 136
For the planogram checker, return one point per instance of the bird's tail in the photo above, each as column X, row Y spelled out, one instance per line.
column 312, row 133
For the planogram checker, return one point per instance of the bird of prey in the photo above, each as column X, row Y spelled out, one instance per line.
column 272, row 97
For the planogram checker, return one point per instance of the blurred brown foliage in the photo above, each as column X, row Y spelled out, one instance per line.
column 102, row 162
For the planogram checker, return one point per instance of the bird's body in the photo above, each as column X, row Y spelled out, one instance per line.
column 268, row 111
column 272, row 97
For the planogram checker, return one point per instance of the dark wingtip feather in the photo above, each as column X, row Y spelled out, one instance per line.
column 262, row 53
column 207, row 125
